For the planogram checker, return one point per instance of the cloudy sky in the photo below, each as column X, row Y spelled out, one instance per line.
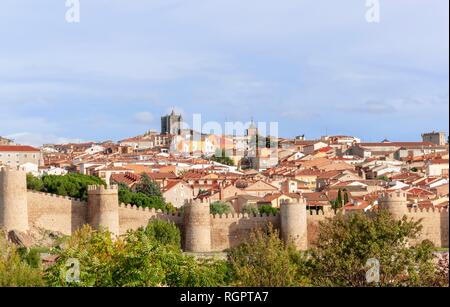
column 314, row 66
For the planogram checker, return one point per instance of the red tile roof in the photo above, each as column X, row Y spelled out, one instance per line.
column 398, row 144
column 18, row 148
column 325, row 149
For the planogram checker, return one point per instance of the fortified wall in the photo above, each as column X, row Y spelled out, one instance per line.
column 201, row 231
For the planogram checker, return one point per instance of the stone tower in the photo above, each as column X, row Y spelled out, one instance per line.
column 197, row 222
column 171, row 124
column 13, row 200
column 396, row 203
column 294, row 223
column 103, row 208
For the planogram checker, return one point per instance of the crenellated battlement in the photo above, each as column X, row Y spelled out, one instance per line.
column 56, row 196
column 428, row 210
column 102, row 189
column 243, row 216
column 394, row 196
column 10, row 169
column 324, row 212
column 148, row 210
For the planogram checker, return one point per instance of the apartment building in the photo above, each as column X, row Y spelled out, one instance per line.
column 16, row 155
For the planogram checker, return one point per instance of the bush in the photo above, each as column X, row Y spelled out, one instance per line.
column 171, row 209
column 146, row 257
column 165, row 233
column 250, row 210
column 268, row 210
column 32, row 256
column 221, row 157
column 345, row 243
column 265, row 261
column 219, row 207
column 186, row 271
column 15, row 272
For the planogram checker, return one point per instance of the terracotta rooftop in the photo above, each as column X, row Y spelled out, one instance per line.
column 398, row 144
column 18, row 148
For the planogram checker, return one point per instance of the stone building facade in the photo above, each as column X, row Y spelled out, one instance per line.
column 16, row 155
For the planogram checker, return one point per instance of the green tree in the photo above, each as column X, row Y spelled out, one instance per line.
column 140, row 258
column 165, row 233
column 34, row 183
column 265, row 261
column 337, row 203
column 346, row 198
column 147, row 195
column 148, row 187
column 73, row 185
column 222, row 157
column 125, row 194
column 339, row 198
column 346, row 242
column 219, row 207
column 267, row 210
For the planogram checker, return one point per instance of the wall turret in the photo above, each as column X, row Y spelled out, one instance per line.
column 294, row 223
column 396, row 203
column 13, row 199
column 197, row 221
column 103, row 208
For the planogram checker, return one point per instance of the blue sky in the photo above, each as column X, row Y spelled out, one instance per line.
column 314, row 66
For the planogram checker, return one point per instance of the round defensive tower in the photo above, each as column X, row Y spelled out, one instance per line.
column 396, row 203
column 197, row 221
column 103, row 208
column 13, row 199
column 294, row 223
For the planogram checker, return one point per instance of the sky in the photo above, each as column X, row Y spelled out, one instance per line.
column 316, row 67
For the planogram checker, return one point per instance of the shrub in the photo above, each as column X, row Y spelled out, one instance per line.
column 250, row 210
column 142, row 258
column 219, row 207
column 268, row 210
column 345, row 243
column 14, row 272
column 165, row 233
column 265, row 261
